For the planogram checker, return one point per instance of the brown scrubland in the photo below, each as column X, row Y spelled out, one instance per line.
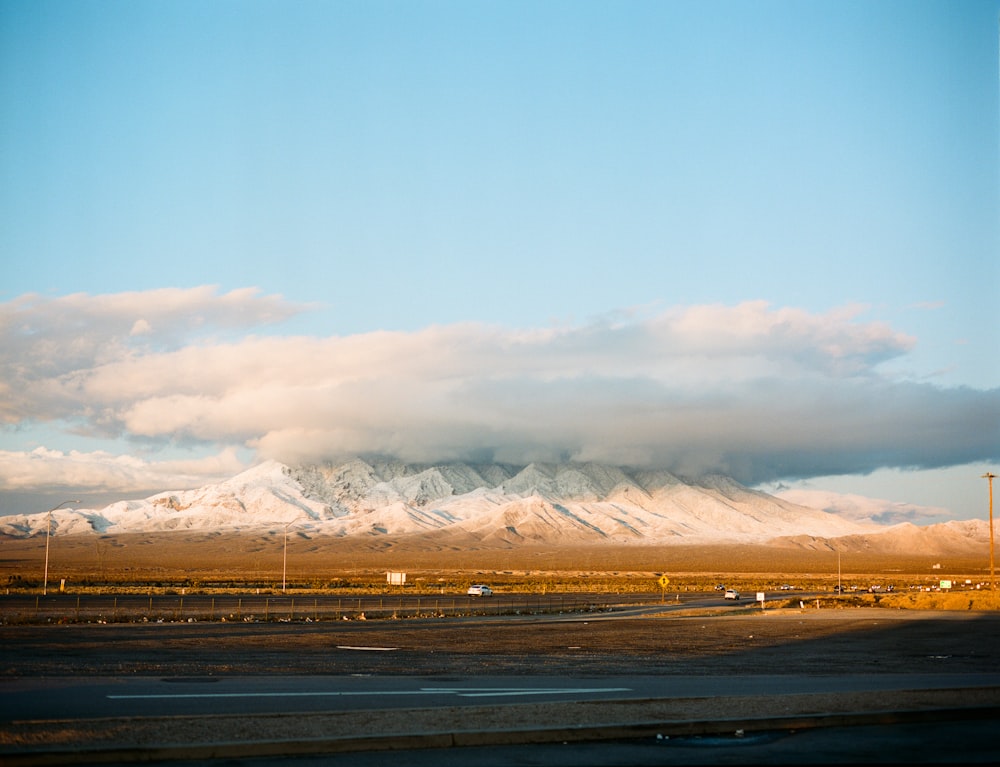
column 261, row 560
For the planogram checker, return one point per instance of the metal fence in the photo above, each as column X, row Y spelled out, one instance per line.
column 90, row 608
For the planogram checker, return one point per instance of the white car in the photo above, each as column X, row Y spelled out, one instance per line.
column 732, row 594
column 480, row 590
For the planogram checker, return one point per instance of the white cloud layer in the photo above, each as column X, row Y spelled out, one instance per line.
column 862, row 508
column 104, row 472
column 753, row 391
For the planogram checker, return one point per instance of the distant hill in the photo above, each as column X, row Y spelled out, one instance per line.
column 954, row 538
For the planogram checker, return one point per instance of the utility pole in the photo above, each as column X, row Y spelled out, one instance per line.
column 988, row 476
column 48, row 534
column 284, row 556
column 284, row 561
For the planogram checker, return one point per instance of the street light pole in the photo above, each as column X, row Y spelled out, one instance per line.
column 48, row 534
column 988, row 476
column 284, row 560
column 284, row 555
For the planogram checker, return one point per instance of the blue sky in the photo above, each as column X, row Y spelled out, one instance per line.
column 697, row 234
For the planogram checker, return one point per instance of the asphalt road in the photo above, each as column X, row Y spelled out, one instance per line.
column 126, row 696
column 78, row 675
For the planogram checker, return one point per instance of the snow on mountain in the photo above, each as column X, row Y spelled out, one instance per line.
column 262, row 497
column 538, row 503
column 953, row 538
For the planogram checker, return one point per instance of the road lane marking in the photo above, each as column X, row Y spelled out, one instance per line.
column 462, row 692
column 509, row 691
column 370, row 649
column 301, row 694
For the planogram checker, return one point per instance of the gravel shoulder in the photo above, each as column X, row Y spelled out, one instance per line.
column 789, row 641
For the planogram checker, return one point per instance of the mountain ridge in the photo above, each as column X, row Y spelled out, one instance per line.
column 539, row 503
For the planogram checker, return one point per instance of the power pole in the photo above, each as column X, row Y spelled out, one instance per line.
column 840, row 587
column 48, row 534
column 988, row 476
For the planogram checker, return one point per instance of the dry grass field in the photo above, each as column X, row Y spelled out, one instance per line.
column 214, row 561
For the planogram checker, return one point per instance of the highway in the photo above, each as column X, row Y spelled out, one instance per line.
column 127, row 696
column 211, row 689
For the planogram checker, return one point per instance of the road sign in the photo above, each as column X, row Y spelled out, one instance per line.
column 664, row 581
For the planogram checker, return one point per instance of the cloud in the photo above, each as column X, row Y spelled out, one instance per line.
column 50, row 344
column 863, row 508
column 101, row 471
column 750, row 390
column 141, row 328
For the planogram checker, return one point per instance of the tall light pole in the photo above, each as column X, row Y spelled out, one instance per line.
column 284, row 560
column 840, row 588
column 48, row 534
column 284, row 556
column 988, row 476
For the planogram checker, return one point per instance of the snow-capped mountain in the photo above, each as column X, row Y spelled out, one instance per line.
column 538, row 503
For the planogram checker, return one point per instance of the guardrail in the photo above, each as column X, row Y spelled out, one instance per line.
column 89, row 608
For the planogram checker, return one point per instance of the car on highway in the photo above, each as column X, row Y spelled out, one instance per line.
column 732, row 594
column 480, row 590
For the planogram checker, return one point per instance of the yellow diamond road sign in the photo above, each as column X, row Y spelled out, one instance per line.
column 664, row 581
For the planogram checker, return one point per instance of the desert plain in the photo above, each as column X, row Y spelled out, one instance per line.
column 265, row 560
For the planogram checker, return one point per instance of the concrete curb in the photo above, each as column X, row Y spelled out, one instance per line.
column 504, row 737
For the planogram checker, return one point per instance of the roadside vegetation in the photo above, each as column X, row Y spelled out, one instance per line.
column 959, row 599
